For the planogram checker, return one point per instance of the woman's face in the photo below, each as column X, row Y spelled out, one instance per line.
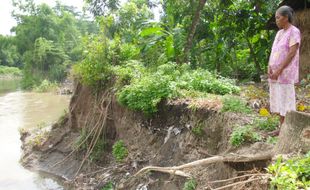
column 281, row 21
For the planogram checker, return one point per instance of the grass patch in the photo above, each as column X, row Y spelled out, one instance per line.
column 269, row 123
column 119, row 151
column 272, row 140
column 244, row 134
column 190, row 185
column 235, row 104
column 108, row 186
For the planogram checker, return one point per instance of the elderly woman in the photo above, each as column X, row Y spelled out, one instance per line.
column 284, row 64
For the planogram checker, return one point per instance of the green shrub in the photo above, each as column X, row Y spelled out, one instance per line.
column 125, row 73
column 95, row 67
column 119, row 151
column 268, row 123
column 98, row 150
column 14, row 71
column 198, row 130
column 204, row 81
column 146, row 92
column 108, row 186
column 190, row 185
column 244, row 134
column 46, row 86
column 291, row 174
column 235, row 104
column 272, row 140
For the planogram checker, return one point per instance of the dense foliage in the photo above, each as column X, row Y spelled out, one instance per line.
column 47, row 41
column 152, row 50
column 291, row 174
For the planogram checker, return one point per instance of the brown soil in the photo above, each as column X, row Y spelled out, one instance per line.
column 163, row 140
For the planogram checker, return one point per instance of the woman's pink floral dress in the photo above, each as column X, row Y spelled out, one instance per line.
column 282, row 91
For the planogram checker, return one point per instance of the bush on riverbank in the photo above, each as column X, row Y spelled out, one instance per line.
column 6, row 71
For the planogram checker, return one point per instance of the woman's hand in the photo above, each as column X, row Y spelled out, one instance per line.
column 269, row 72
column 275, row 75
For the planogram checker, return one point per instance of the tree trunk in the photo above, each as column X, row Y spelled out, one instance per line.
column 295, row 134
column 190, row 36
column 252, row 52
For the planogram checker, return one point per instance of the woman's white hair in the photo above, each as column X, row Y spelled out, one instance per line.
column 286, row 11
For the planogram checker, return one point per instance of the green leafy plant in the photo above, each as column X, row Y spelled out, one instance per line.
column 119, row 150
column 235, row 104
column 198, row 130
column 98, row 150
column 46, row 86
column 14, row 71
column 108, row 186
column 146, row 93
column 244, row 134
column 291, row 174
column 269, row 123
column 190, row 185
column 272, row 140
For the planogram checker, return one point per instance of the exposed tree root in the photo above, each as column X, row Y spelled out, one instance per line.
column 94, row 132
column 98, row 132
column 176, row 170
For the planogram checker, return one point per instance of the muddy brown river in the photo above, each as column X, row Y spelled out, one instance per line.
column 24, row 110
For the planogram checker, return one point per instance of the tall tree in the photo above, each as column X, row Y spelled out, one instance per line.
column 191, row 33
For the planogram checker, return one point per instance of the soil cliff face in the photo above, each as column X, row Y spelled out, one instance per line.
column 166, row 139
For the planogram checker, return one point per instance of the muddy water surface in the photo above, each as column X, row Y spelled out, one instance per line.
column 24, row 110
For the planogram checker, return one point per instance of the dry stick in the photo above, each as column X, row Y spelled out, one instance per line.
column 214, row 159
column 238, row 177
column 238, row 183
column 96, row 138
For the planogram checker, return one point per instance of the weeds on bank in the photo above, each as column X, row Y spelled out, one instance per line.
column 190, row 185
column 243, row 134
column 269, row 123
column 119, row 151
column 235, row 104
column 290, row 174
column 198, row 130
column 99, row 147
column 108, row 186
column 46, row 86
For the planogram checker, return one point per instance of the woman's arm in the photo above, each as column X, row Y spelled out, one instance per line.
column 292, row 52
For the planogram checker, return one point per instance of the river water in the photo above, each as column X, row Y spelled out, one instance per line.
column 24, row 110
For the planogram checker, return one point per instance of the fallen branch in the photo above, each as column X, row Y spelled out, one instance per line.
column 215, row 159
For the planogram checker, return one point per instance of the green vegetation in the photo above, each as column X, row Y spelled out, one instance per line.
column 198, row 130
column 269, row 123
column 290, row 174
column 119, row 151
column 98, row 150
column 235, row 104
column 190, row 185
column 167, row 81
column 11, row 71
column 145, row 61
column 47, row 41
column 244, row 134
column 272, row 140
column 108, row 186
column 46, row 86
